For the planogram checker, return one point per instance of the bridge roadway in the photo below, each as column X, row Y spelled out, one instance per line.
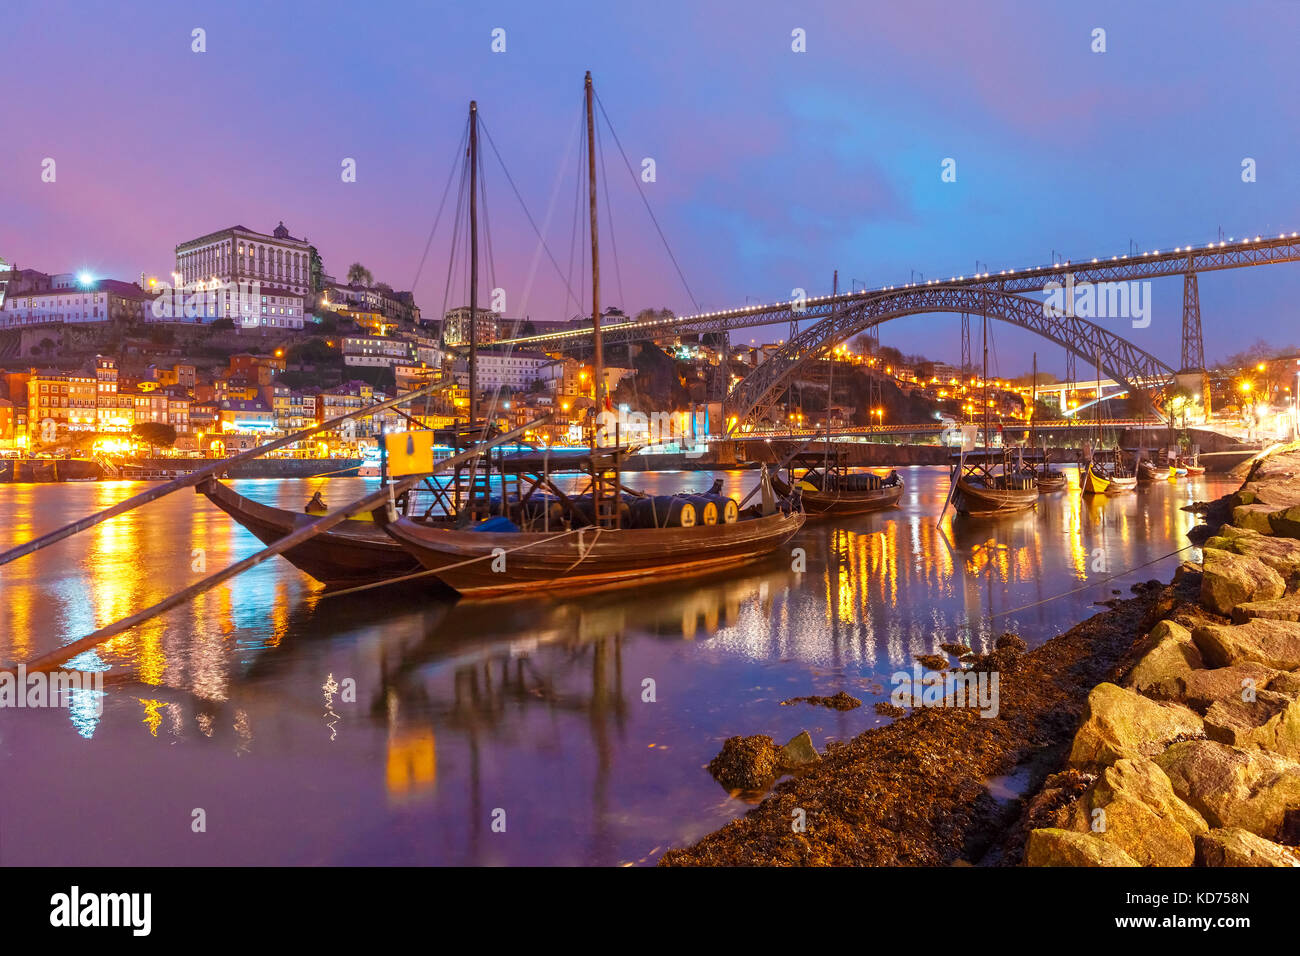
column 1240, row 253
column 929, row 427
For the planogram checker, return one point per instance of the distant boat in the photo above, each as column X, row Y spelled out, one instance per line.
column 827, row 487
column 1094, row 482
column 1050, row 481
column 985, row 486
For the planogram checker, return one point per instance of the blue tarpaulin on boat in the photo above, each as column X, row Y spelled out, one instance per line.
column 499, row 523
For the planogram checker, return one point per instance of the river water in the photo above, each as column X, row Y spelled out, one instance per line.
column 506, row 732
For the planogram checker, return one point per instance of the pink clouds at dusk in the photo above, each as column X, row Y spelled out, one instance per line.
column 774, row 168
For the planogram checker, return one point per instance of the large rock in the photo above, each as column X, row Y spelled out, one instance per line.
column 1286, row 522
column 745, row 763
column 1119, row 723
column 1282, row 609
column 1274, row 644
column 1132, row 805
column 1204, row 687
column 1169, row 659
column 1270, row 722
column 1280, row 554
column 1229, row 579
column 1233, row 787
column 1054, row 847
column 1253, row 518
column 798, row 752
column 1286, row 682
column 1233, row 846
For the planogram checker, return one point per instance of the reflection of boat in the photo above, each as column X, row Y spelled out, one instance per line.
column 353, row 552
column 827, row 487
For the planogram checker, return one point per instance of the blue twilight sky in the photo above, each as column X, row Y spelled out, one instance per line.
column 773, row 167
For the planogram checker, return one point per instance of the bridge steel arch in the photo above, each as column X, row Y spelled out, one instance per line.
column 753, row 398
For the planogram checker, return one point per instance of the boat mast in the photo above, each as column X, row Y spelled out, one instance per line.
column 473, row 263
column 1033, row 407
column 598, row 352
column 830, row 388
column 984, row 377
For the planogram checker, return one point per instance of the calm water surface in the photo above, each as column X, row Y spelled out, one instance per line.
column 530, row 706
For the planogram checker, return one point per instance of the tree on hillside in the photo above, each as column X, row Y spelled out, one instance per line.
column 359, row 275
column 155, row 433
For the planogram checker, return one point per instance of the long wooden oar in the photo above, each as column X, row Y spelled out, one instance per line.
column 194, row 477
column 57, row 657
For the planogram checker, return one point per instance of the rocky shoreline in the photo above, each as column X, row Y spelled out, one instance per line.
column 1163, row 732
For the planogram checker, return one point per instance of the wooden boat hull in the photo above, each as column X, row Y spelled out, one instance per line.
column 1094, row 483
column 353, row 552
column 586, row 558
column 979, row 501
column 1147, row 471
column 844, row 502
column 1053, row 482
column 1194, row 470
column 1117, row 486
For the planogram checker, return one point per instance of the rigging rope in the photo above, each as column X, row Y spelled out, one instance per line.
column 538, row 232
column 644, row 200
column 460, row 149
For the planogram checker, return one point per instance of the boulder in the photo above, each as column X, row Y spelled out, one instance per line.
column 798, row 752
column 1282, row 609
column 1234, row 787
column 1132, row 806
column 1168, row 657
column 1280, row 554
column 1286, row 682
column 1233, row 846
column 745, row 763
column 1054, row 847
column 1204, row 687
column 1274, row 644
column 1229, row 579
column 1119, row 723
column 1253, row 517
column 1270, row 722
column 1286, row 522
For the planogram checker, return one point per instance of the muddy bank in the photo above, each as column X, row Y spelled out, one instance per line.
column 913, row 792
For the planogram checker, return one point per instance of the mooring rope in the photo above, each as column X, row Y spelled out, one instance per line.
column 1092, row 584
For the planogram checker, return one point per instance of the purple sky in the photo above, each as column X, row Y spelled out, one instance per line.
column 774, row 167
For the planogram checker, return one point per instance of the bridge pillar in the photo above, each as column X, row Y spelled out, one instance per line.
column 1193, row 354
column 1191, row 371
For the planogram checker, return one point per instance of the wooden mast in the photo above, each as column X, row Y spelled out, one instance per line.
column 984, row 377
column 830, row 391
column 473, row 263
column 1033, row 408
column 598, row 357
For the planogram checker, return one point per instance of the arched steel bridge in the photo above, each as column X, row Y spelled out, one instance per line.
column 836, row 317
column 753, row 398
